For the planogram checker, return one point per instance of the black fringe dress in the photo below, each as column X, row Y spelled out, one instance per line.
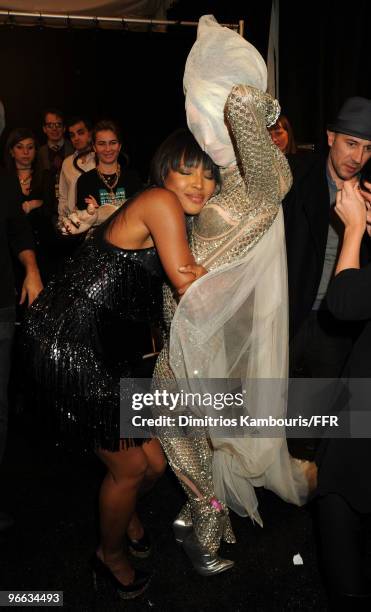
column 81, row 336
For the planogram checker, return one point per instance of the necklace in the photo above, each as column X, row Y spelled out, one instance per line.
column 110, row 186
column 26, row 179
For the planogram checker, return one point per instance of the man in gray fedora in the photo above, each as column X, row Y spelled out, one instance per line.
column 319, row 344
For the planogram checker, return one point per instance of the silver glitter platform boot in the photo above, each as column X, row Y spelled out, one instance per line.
column 191, row 460
column 201, row 546
column 205, row 563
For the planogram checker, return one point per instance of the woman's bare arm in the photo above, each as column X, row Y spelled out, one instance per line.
column 164, row 217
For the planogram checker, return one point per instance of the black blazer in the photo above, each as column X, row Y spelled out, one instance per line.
column 306, row 211
column 344, row 464
column 15, row 234
column 307, row 215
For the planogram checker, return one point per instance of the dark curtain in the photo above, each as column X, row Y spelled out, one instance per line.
column 135, row 78
column 324, row 58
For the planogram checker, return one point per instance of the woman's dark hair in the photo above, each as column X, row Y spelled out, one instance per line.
column 104, row 125
column 284, row 123
column 14, row 138
column 365, row 176
column 180, row 149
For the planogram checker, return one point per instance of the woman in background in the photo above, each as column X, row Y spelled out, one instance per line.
column 20, row 155
column 283, row 136
column 20, row 159
column 111, row 181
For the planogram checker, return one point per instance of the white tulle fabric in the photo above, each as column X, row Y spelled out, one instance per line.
column 232, row 323
column 219, row 59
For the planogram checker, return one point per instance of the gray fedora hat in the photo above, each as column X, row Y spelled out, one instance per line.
column 354, row 118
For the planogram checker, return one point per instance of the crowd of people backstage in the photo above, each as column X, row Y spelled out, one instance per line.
column 48, row 177
column 327, row 303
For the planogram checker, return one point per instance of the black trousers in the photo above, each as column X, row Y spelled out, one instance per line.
column 321, row 347
column 319, row 350
column 340, row 545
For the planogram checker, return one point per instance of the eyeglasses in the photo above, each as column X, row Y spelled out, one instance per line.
column 56, row 124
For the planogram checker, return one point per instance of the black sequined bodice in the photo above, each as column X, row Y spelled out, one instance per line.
column 86, row 330
column 119, row 281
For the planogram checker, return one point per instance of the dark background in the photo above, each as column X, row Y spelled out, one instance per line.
column 136, row 77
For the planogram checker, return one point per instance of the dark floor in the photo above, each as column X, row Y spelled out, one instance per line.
column 52, row 496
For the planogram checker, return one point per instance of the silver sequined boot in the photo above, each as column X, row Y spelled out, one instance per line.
column 183, row 525
column 205, row 563
column 209, row 518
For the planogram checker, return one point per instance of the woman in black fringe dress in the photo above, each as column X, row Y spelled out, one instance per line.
column 82, row 336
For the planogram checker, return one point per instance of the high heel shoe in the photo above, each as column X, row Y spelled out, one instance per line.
column 142, row 547
column 125, row 591
column 206, row 564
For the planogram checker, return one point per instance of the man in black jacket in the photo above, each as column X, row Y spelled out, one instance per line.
column 319, row 344
column 15, row 236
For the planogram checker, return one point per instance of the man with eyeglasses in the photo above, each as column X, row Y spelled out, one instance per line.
column 49, row 163
column 52, row 154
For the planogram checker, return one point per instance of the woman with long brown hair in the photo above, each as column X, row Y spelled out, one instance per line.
column 283, row 136
column 111, row 181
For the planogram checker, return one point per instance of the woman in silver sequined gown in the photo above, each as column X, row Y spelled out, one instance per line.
column 233, row 322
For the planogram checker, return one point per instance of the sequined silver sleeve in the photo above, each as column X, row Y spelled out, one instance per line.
column 248, row 111
column 234, row 220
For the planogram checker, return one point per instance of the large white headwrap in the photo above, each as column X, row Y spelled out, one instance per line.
column 219, row 59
